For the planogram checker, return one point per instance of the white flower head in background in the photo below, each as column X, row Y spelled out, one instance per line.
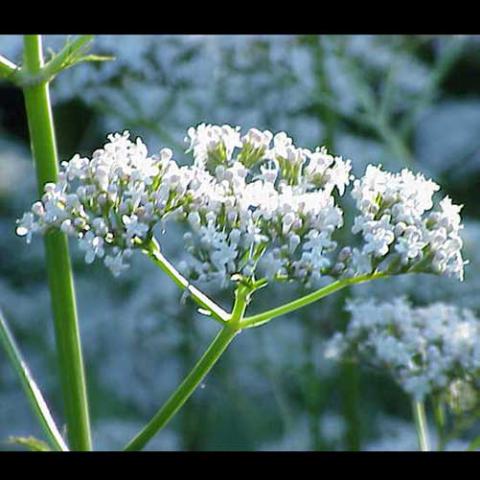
column 433, row 349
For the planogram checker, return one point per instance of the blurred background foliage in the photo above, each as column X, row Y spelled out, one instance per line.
column 399, row 101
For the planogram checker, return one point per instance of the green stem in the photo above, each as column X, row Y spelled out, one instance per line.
column 35, row 397
column 440, row 422
column 193, row 379
column 153, row 252
column 7, row 68
column 242, row 294
column 261, row 318
column 418, row 409
column 66, row 57
column 60, row 279
column 186, row 388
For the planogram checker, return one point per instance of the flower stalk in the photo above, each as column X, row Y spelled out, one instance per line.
column 440, row 423
column 264, row 317
column 418, row 409
column 154, row 253
column 194, row 378
column 59, row 271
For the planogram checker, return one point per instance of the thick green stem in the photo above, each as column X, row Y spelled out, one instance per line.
column 418, row 409
column 60, row 279
column 186, row 388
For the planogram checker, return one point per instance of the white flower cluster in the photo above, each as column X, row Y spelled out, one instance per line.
column 433, row 349
column 260, row 203
column 449, row 289
column 109, row 202
column 255, row 205
column 396, row 219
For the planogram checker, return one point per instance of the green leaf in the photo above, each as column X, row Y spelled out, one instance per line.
column 95, row 58
column 32, row 443
column 37, row 402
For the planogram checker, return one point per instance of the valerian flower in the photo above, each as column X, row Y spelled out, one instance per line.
column 111, row 201
column 397, row 222
column 427, row 350
column 254, row 206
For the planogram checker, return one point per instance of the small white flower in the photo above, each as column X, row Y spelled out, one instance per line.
column 92, row 245
column 26, row 226
column 257, row 139
column 206, row 139
column 116, row 263
column 135, row 228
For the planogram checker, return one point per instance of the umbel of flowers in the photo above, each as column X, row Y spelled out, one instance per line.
column 432, row 350
column 255, row 207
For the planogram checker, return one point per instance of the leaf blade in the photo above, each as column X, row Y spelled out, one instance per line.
column 30, row 387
